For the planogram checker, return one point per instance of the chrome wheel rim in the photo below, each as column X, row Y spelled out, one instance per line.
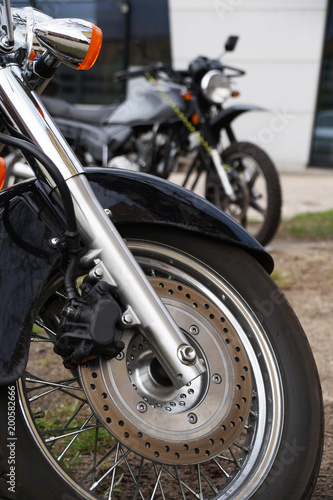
column 241, row 465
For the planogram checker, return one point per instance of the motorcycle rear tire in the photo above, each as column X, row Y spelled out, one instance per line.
column 281, row 451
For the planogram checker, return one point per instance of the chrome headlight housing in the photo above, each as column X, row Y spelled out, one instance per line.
column 215, row 86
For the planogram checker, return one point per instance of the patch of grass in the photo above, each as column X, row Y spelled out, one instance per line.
column 312, row 226
column 84, row 445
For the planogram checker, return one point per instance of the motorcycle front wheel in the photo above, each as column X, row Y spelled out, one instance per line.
column 250, row 427
column 256, row 184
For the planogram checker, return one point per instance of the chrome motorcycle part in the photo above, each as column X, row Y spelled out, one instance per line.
column 7, row 41
column 74, row 42
column 215, row 87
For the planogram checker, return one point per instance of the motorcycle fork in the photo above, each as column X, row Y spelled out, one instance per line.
column 116, row 264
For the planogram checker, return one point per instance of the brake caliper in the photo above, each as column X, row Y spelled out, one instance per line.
column 88, row 326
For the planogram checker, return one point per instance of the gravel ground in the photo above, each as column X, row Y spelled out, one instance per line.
column 304, row 271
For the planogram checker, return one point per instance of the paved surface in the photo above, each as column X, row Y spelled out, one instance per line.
column 309, row 191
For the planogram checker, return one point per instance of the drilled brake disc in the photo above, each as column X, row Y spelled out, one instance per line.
column 137, row 403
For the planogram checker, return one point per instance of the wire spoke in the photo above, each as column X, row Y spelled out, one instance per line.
column 199, row 482
column 46, row 383
column 110, row 470
column 114, row 473
column 209, row 482
column 220, row 466
column 95, row 450
column 175, row 475
column 180, row 483
column 69, row 421
column 76, row 434
column 39, row 338
column 235, row 459
column 94, row 468
column 138, row 479
column 41, row 324
column 71, row 431
column 159, row 475
column 130, row 471
column 57, row 386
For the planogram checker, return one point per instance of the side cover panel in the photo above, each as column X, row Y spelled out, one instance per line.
column 27, row 258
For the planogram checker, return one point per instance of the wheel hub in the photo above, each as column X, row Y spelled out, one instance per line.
column 137, row 403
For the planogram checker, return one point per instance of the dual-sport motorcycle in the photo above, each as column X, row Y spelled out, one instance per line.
column 177, row 121
column 145, row 352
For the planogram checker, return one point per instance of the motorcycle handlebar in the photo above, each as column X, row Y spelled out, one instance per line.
column 151, row 68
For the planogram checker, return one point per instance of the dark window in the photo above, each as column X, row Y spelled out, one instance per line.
column 126, row 25
column 322, row 141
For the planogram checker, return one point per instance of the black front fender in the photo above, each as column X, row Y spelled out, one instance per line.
column 224, row 118
column 27, row 258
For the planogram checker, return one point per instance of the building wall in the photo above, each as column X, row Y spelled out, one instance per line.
column 280, row 49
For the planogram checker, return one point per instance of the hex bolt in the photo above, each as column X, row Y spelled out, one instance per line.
column 127, row 319
column 216, row 378
column 141, row 407
column 194, row 329
column 98, row 273
column 192, row 418
column 187, row 354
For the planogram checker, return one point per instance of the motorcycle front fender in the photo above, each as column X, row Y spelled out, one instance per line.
column 224, row 118
column 27, row 258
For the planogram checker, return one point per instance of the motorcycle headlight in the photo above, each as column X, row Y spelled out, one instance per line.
column 215, row 86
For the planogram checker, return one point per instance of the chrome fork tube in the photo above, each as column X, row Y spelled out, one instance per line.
column 117, row 265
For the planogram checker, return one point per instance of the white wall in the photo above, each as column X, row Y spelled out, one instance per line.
column 280, row 49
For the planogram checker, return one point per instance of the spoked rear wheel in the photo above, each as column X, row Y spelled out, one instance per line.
column 120, row 429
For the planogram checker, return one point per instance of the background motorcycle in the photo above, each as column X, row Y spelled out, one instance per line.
column 176, row 123
column 179, row 368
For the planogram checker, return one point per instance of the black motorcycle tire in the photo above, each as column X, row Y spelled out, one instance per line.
column 253, row 304
column 267, row 172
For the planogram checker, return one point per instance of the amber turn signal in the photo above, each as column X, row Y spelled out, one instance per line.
column 2, row 171
column 187, row 96
column 94, row 48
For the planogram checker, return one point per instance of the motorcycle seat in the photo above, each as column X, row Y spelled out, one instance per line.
column 58, row 108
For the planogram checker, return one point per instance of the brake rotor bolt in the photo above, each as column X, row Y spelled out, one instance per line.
column 183, row 396
column 190, row 391
column 168, row 408
column 216, row 378
column 194, row 329
column 192, row 418
column 127, row 320
column 120, row 356
column 141, row 407
column 182, row 403
column 172, row 403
